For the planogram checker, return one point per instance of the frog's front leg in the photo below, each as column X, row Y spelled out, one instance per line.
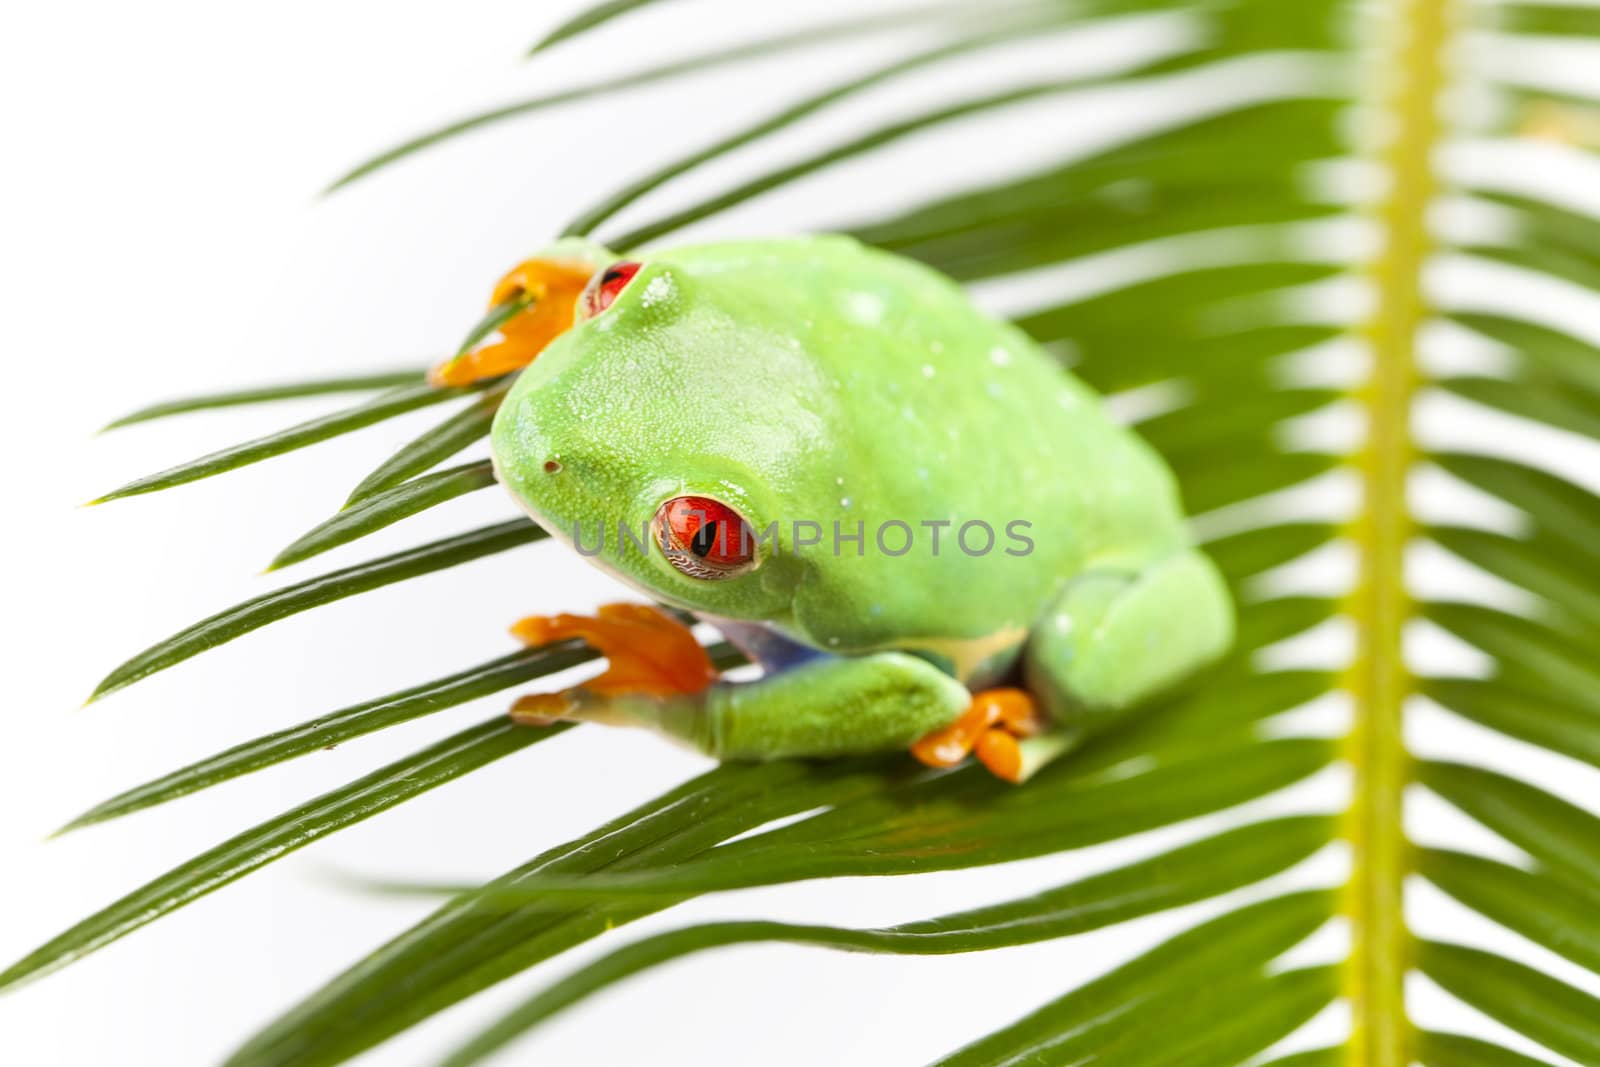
column 660, row 679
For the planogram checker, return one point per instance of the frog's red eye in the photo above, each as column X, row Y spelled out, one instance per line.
column 704, row 538
column 604, row 287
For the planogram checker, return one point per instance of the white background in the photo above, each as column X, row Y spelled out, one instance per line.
column 161, row 235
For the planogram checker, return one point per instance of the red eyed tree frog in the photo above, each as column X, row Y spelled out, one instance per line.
column 928, row 534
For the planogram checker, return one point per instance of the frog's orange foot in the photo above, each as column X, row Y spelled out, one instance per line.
column 531, row 306
column 992, row 727
column 647, row 652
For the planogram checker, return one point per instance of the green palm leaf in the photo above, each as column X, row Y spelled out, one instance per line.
column 1551, row 1012
column 433, row 446
column 776, row 44
column 325, row 589
column 1203, row 230
column 1453, row 1050
column 588, row 19
column 386, row 508
column 1236, row 858
column 267, row 393
column 342, row 725
column 1240, row 943
column 387, row 406
column 238, row 856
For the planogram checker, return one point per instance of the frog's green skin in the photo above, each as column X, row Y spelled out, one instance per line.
column 816, row 379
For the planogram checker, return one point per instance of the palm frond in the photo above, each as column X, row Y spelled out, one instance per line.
column 1211, row 220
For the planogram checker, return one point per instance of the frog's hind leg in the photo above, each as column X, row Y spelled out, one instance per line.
column 1113, row 640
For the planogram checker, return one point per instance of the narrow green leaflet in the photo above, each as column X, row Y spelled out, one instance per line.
column 1321, row 1057
column 469, row 945
column 386, row 508
column 1224, row 1022
column 947, row 829
column 1543, row 224
column 588, row 19
column 1259, row 146
column 1214, row 364
column 314, row 592
column 434, row 446
column 586, row 222
column 1208, row 868
column 1191, row 338
column 492, row 320
column 1549, row 829
column 878, row 138
column 1535, row 563
column 1552, row 405
column 1238, row 170
column 1264, row 622
column 1559, row 1017
column 233, row 859
column 968, row 820
column 1218, row 708
column 1565, row 511
column 1554, row 20
column 336, row 727
column 267, row 393
column 1246, row 554
column 1554, row 913
column 1209, row 487
column 1101, row 222
column 1455, row 1050
column 1530, row 651
column 342, row 725
column 1542, row 354
column 1560, row 721
column 708, row 60
column 1557, row 263
column 387, row 406
column 1201, row 427
column 1237, row 943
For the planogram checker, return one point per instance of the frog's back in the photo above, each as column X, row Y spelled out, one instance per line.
column 941, row 413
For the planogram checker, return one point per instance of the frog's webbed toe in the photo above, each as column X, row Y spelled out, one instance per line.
column 648, row 653
column 1002, row 727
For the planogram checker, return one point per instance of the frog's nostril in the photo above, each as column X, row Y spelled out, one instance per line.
column 552, row 466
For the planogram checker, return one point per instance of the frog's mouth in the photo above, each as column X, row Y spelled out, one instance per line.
column 536, row 302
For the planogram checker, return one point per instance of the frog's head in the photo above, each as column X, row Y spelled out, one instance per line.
column 672, row 424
